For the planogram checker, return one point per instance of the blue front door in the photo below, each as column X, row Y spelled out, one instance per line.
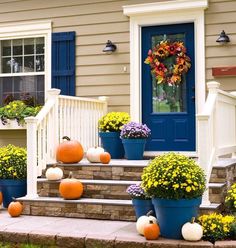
column 169, row 108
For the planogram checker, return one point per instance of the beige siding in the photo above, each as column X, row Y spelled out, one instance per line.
column 96, row 21
column 221, row 15
column 17, row 138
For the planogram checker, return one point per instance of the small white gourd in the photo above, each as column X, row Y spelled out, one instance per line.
column 192, row 231
column 143, row 221
column 93, row 154
column 54, row 173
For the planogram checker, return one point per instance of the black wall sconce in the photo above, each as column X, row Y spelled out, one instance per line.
column 109, row 48
column 224, row 38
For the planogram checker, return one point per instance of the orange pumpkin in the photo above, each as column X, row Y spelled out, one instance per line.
column 15, row 208
column 105, row 157
column 69, row 151
column 71, row 188
column 1, row 198
column 151, row 231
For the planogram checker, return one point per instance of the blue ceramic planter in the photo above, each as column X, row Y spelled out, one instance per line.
column 173, row 214
column 134, row 148
column 12, row 188
column 142, row 207
column 111, row 142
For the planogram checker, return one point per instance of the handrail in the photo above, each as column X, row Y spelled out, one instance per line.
column 60, row 116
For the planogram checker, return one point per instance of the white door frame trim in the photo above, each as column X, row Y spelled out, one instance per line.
column 163, row 13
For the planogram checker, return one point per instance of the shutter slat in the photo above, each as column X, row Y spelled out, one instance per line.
column 63, row 62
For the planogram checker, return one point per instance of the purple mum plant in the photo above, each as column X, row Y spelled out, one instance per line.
column 137, row 192
column 134, row 130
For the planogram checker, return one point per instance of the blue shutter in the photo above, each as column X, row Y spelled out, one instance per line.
column 63, row 62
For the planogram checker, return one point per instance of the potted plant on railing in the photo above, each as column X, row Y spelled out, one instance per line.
column 17, row 110
column 109, row 132
column 176, row 184
column 12, row 172
column 134, row 136
column 141, row 201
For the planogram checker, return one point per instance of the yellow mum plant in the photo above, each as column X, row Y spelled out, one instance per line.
column 13, row 162
column 173, row 176
column 216, row 226
column 113, row 121
column 230, row 199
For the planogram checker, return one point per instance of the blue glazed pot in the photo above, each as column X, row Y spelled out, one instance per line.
column 134, row 148
column 111, row 142
column 173, row 214
column 12, row 188
column 142, row 207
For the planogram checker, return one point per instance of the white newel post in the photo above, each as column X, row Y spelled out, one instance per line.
column 105, row 100
column 207, row 139
column 31, row 123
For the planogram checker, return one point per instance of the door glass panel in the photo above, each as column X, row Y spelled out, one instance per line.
column 168, row 97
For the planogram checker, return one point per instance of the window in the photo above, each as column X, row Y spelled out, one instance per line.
column 22, row 68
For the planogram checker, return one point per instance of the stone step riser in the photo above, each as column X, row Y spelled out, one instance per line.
column 104, row 172
column 87, row 211
column 96, row 191
column 217, row 195
column 222, row 175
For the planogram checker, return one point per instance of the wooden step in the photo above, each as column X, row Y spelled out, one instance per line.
column 100, row 189
column 117, row 169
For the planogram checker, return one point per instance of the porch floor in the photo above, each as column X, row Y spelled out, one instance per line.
column 86, row 233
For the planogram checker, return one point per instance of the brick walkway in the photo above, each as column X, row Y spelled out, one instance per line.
column 85, row 233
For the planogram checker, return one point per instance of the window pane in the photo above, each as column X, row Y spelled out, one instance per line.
column 17, row 64
column 39, row 63
column 29, row 46
column 168, row 97
column 17, row 47
column 19, row 86
column 6, row 48
column 29, row 63
column 40, row 45
column 6, row 65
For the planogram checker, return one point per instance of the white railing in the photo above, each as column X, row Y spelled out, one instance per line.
column 216, row 129
column 75, row 117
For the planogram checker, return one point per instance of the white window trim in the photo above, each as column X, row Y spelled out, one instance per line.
column 163, row 13
column 30, row 30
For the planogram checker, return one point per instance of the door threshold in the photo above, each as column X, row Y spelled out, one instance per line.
column 157, row 153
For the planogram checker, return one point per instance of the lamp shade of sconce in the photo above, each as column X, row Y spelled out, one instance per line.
column 109, row 48
column 223, row 38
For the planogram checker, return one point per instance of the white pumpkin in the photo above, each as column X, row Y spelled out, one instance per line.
column 54, row 173
column 93, row 154
column 143, row 221
column 192, row 231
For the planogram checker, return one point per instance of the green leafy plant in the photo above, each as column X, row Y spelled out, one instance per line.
column 215, row 226
column 13, row 162
column 17, row 110
column 230, row 199
column 113, row 121
column 173, row 176
column 233, row 230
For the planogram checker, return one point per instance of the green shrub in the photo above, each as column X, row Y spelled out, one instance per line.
column 173, row 176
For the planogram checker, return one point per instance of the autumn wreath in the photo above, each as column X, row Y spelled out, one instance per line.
column 168, row 62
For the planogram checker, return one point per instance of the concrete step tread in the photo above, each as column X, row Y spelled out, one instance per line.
column 211, row 206
column 224, row 163
column 81, row 200
column 113, row 162
column 216, row 185
column 93, row 181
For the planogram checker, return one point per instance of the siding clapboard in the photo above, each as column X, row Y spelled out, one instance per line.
column 96, row 21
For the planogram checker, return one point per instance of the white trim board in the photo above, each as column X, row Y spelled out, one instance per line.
column 164, row 13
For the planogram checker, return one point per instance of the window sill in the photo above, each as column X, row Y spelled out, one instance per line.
column 12, row 125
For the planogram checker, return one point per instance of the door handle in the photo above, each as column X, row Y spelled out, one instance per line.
column 193, row 98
